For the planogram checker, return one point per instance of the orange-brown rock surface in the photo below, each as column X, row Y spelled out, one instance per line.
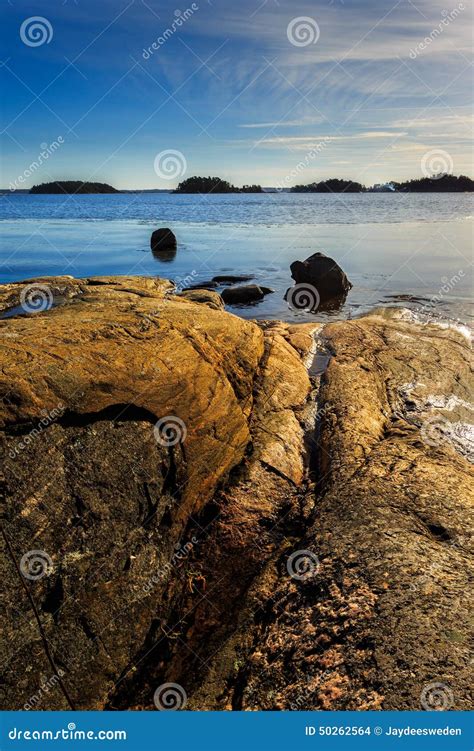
column 183, row 502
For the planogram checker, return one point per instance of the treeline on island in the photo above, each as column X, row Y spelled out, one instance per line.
column 213, row 185
column 195, row 184
column 433, row 184
column 73, row 186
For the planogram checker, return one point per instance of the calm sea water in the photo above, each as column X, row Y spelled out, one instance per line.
column 396, row 249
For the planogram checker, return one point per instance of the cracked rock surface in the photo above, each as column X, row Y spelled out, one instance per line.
column 282, row 541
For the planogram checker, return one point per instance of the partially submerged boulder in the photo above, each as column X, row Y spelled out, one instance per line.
column 163, row 239
column 324, row 274
column 245, row 295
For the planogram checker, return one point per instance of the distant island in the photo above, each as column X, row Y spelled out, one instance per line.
column 213, row 185
column 434, row 184
column 330, row 186
column 73, row 186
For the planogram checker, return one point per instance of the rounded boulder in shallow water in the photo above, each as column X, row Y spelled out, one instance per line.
column 244, row 295
column 163, row 239
column 323, row 273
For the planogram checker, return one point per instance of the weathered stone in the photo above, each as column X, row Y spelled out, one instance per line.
column 245, row 295
column 324, row 274
column 207, row 297
column 163, row 239
column 348, row 466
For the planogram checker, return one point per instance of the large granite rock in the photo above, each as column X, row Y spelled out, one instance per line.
column 168, row 460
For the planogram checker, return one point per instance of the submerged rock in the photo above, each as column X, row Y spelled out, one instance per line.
column 245, row 295
column 324, row 274
column 163, row 239
column 156, row 451
column 231, row 278
column 206, row 284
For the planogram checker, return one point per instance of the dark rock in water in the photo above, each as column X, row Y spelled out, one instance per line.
column 245, row 295
column 323, row 274
column 207, row 284
column 163, row 239
column 266, row 290
column 231, row 278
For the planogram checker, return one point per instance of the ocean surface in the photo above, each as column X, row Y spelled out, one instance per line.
column 410, row 250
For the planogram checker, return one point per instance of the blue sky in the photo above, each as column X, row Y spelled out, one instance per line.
column 245, row 90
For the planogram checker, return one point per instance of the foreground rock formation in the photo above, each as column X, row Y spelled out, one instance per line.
column 182, row 502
